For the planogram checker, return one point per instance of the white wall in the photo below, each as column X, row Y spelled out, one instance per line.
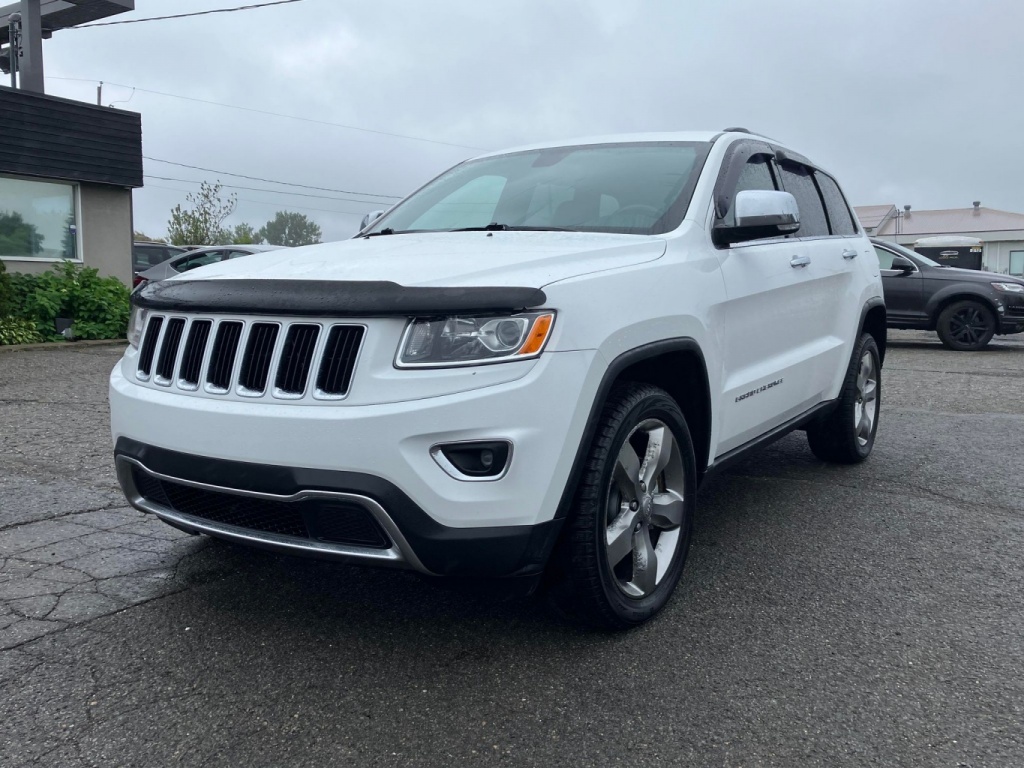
column 997, row 246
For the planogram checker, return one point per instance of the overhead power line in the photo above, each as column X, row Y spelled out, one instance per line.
column 185, row 15
column 288, row 205
column 270, row 181
column 273, row 114
column 272, row 191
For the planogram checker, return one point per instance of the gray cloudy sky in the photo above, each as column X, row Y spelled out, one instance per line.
column 907, row 101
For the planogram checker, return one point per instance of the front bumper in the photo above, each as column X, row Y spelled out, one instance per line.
column 408, row 537
column 375, row 456
column 1011, row 314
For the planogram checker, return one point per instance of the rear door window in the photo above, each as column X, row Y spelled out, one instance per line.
column 200, row 260
column 799, row 182
column 839, row 216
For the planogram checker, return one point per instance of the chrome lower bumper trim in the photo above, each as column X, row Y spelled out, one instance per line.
column 399, row 555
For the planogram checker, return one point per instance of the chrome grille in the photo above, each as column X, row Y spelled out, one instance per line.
column 222, row 360
column 259, row 350
column 251, row 358
column 296, row 358
column 169, row 350
column 149, row 346
column 339, row 360
column 195, row 350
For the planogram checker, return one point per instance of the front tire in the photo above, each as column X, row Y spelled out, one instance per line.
column 632, row 516
column 847, row 434
column 966, row 326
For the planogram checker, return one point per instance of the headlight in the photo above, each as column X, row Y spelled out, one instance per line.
column 136, row 322
column 437, row 342
column 1009, row 287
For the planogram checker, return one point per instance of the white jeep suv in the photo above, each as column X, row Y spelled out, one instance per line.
column 526, row 367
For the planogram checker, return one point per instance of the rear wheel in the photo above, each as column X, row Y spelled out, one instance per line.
column 847, row 434
column 966, row 326
column 629, row 530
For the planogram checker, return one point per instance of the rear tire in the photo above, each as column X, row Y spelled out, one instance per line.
column 847, row 434
column 629, row 529
column 966, row 326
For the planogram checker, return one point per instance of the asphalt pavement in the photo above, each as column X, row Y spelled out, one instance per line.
column 829, row 616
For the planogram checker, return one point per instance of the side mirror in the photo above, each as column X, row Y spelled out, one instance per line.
column 903, row 264
column 760, row 213
column 369, row 218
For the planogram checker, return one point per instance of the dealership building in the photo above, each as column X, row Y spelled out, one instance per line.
column 998, row 236
column 67, row 169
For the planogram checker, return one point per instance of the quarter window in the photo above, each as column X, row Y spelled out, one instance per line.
column 839, row 215
column 798, row 181
column 37, row 220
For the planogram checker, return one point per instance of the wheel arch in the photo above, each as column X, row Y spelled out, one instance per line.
column 942, row 300
column 873, row 321
column 675, row 365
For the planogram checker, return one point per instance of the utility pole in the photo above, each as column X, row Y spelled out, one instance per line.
column 14, row 45
column 31, row 66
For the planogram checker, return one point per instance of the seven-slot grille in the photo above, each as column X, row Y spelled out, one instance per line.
column 252, row 358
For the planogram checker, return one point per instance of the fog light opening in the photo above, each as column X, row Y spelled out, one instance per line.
column 476, row 460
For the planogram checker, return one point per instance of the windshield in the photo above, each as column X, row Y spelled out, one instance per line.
column 640, row 189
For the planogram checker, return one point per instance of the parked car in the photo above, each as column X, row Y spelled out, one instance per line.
column 525, row 368
column 199, row 257
column 146, row 254
column 965, row 307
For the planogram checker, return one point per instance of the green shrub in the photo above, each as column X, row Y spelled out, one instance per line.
column 14, row 330
column 98, row 305
column 6, row 293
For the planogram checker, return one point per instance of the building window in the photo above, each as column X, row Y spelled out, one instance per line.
column 38, row 220
column 1017, row 263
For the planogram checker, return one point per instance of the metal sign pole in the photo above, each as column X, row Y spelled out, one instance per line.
column 14, row 45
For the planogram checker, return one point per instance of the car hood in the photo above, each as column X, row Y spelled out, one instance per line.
column 973, row 275
column 446, row 259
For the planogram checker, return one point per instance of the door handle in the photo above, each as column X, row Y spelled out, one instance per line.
column 800, row 261
column 850, row 253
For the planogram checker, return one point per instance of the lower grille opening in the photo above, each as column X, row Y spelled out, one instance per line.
column 327, row 520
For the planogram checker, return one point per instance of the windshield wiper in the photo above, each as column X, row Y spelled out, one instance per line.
column 496, row 227
column 385, row 231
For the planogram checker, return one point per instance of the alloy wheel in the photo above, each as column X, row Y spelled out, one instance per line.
column 968, row 326
column 865, row 409
column 645, row 508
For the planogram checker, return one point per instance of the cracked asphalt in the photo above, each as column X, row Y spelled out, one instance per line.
column 829, row 616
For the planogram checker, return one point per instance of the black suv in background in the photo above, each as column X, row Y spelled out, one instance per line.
column 964, row 306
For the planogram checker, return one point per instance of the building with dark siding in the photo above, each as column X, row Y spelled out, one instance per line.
column 67, row 170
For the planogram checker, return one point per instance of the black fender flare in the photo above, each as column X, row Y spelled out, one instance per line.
column 869, row 305
column 611, row 375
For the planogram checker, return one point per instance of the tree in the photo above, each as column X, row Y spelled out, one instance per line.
column 203, row 224
column 245, row 234
column 17, row 236
column 142, row 237
column 290, row 229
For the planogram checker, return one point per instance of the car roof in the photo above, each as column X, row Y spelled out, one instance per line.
column 619, row 138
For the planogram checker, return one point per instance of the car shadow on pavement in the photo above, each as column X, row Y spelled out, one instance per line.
column 273, row 593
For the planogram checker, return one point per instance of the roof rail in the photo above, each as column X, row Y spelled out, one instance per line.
column 736, row 130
